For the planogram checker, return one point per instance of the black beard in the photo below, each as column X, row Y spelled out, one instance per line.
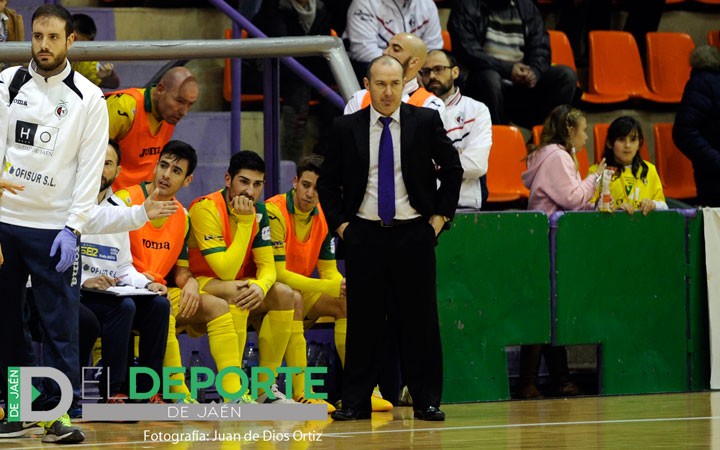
column 439, row 89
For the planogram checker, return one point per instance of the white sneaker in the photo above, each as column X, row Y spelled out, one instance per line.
column 279, row 399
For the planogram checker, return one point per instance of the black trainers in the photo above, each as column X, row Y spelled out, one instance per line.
column 18, row 429
column 61, row 431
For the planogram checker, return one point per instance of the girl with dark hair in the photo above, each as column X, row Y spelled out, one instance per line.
column 635, row 185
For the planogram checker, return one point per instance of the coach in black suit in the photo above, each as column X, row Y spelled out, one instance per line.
column 388, row 210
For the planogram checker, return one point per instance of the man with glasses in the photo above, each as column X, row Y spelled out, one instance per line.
column 467, row 122
column 411, row 51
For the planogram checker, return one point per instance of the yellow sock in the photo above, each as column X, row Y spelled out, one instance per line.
column 97, row 352
column 296, row 356
column 340, row 333
column 223, row 347
column 273, row 339
column 173, row 359
column 136, row 346
column 240, row 322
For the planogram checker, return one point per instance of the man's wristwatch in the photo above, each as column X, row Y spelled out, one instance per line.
column 73, row 231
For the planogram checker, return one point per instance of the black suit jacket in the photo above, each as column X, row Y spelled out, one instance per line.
column 424, row 144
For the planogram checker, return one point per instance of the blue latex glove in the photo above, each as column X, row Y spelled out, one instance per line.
column 67, row 242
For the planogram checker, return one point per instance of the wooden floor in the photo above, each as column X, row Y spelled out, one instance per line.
column 671, row 421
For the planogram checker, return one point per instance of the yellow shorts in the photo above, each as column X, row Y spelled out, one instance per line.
column 193, row 330
column 309, row 300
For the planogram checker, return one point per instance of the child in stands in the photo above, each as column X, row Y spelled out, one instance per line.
column 635, row 185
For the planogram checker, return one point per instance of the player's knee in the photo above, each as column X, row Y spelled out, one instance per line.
column 214, row 306
column 285, row 296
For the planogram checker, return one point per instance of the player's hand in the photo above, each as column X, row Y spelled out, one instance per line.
column 647, row 205
column 341, row 230
column 343, row 288
column 103, row 282
column 161, row 289
column 156, row 209
column 2, row 258
column 250, row 297
column 189, row 299
column 241, row 206
column 11, row 187
column 105, row 70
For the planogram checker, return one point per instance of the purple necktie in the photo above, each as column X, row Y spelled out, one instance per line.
column 386, row 174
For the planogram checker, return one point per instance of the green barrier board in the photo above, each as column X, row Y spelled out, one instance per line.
column 621, row 284
column 698, row 327
column 493, row 291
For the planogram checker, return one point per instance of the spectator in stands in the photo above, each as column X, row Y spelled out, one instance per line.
column 11, row 24
column 635, row 185
column 467, row 122
column 278, row 18
column 157, row 111
column 103, row 74
column 555, row 185
column 506, row 50
column 372, row 23
column 697, row 124
column 411, row 51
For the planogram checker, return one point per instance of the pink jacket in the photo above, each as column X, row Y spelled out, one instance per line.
column 554, row 182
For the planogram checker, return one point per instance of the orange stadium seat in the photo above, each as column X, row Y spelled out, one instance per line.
column 600, row 131
column 447, row 42
column 615, row 70
column 561, row 50
column 668, row 63
column 506, row 165
column 674, row 168
column 714, row 38
column 582, row 155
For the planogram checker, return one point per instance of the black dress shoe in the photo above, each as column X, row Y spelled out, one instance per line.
column 432, row 413
column 350, row 414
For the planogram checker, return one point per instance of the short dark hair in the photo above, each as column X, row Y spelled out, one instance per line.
column 84, row 24
column 114, row 144
column 180, row 150
column 451, row 59
column 309, row 163
column 245, row 159
column 380, row 60
column 50, row 10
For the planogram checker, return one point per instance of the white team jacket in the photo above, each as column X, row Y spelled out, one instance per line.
column 53, row 140
column 109, row 253
column 372, row 23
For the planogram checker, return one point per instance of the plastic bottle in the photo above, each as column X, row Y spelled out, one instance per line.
column 250, row 358
column 197, row 361
column 605, row 203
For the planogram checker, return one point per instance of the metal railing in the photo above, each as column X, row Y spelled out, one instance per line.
column 330, row 48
